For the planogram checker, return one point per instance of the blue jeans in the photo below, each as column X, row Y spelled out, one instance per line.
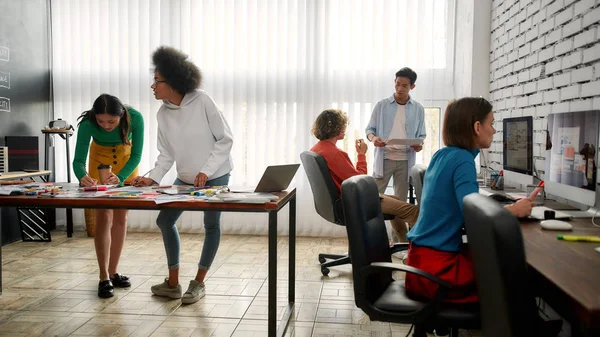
column 212, row 225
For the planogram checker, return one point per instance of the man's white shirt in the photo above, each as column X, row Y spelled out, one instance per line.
column 398, row 152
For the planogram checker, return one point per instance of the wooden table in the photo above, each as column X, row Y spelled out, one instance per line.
column 272, row 208
column 22, row 175
column 567, row 274
column 43, row 174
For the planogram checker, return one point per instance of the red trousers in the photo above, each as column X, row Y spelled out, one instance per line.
column 455, row 268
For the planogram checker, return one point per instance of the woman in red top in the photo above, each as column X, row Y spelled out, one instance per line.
column 329, row 127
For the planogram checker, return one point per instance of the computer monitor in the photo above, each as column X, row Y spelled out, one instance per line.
column 572, row 155
column 517, row 140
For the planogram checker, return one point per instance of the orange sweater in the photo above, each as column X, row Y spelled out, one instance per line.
column 339, row 163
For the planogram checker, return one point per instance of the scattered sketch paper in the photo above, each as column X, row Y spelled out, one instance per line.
column 254, row 198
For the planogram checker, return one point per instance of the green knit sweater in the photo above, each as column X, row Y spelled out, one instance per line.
column 87, row 131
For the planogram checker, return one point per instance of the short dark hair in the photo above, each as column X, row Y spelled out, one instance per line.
column 459, row 119
column 329, row 124
column 179, row 72
column 408, row 73
column 110, row 105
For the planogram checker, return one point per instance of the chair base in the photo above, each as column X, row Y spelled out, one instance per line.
column 421, row 331
column 338, row 260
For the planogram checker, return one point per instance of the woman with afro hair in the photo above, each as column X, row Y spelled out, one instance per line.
column 193, row 133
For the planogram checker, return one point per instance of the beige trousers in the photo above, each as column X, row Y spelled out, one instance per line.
column 404, row 213
column 399, row 170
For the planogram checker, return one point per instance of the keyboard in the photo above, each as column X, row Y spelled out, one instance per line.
column 537, row 212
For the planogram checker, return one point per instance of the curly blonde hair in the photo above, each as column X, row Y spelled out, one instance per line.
column 329, row 124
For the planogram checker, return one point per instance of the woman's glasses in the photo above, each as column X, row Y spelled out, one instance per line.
column 159, row 81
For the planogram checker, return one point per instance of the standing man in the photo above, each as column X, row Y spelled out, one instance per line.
column 400, row 117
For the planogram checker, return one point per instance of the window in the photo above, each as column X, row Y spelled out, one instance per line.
column 433, row 125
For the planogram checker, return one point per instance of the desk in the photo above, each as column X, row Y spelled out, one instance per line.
column 272, row 208
column 566, row 274
column 12, row 178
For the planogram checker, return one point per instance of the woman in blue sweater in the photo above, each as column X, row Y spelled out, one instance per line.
column 436, row 239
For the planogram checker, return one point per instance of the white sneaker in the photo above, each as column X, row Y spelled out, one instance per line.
column 195, row 292
column 165, row 290
column 401, row 255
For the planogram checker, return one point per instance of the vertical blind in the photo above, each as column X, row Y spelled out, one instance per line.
column 271, row 65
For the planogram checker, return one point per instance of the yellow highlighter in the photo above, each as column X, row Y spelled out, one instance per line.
column 579, row 238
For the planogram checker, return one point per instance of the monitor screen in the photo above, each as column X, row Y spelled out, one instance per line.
column 518, row 144
column 571, row 155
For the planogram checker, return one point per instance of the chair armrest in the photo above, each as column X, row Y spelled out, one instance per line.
column 373, row 267
column 398, row 247
column 430, row 307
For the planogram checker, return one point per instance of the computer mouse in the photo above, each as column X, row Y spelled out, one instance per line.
column 597, row 249
column 556, row 225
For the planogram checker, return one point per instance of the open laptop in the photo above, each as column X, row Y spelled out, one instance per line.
column 276, row 178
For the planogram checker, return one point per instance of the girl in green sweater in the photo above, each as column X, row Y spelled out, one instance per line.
column 117, row 138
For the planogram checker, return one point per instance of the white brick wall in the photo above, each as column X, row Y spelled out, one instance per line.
column 545, row 58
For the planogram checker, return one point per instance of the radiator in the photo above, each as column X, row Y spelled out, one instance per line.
column 3, row 159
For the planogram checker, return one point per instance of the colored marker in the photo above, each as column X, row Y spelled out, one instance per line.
column 94, row 188
column 578, row 238
column 537, row 190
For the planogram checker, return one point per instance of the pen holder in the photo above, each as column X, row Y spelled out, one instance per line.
column 496, row 181
column 540, row 196
column 487, row 176
column 104, row 172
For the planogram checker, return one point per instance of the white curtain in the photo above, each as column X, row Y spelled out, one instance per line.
column 271, row 65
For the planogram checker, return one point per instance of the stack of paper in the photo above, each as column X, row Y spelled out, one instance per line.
column 253, row 198
column 8, row 190
column 409, row 141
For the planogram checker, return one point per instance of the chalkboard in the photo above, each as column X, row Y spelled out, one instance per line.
column 25, row 82
column 25, row 77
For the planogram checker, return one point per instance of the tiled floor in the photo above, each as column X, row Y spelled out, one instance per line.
column 49, row 289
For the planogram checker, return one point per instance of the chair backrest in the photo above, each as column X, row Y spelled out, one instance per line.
column 417, row 175
column 367, row 236
column 496, row 245
column 326, row 196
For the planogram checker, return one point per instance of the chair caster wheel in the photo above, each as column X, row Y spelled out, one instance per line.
column 324, row 271
column 322, row 260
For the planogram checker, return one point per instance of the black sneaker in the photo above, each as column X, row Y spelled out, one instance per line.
column 120, row 281
column 106, row 289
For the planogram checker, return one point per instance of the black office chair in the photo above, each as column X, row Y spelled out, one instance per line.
column 375, row 291
column 328, row 203
column 496, row 243
column 417, row 175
